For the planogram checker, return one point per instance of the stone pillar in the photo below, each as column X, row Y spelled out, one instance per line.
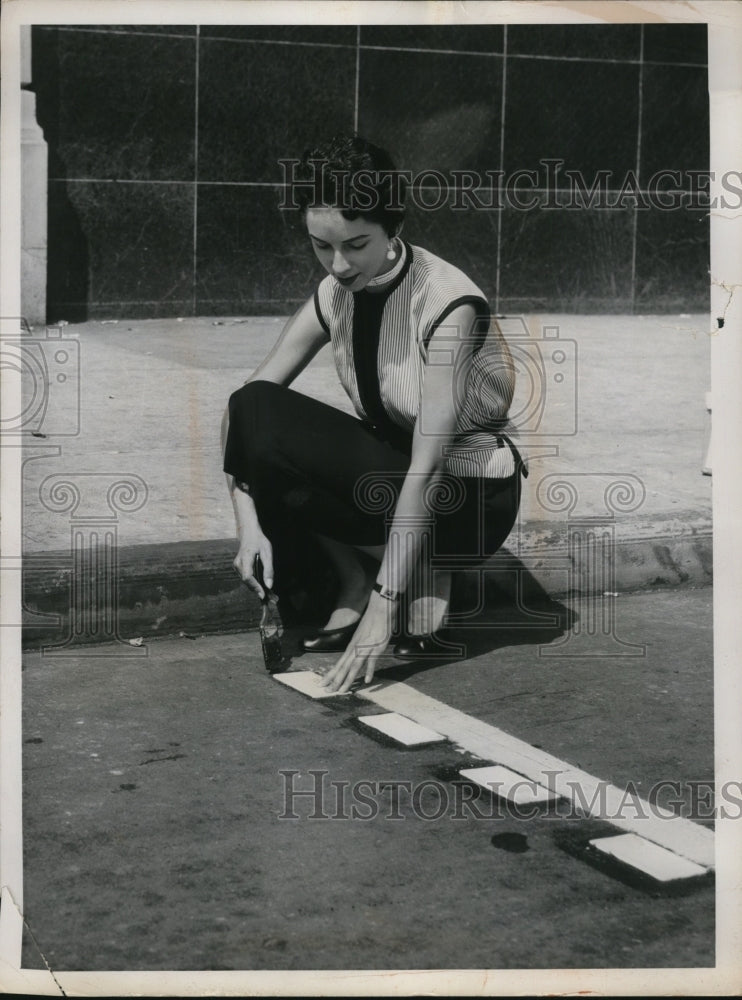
column 33, row 197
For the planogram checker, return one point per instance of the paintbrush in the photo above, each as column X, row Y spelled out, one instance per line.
column 271, row 626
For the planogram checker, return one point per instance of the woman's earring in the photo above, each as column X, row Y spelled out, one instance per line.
column 390, row 254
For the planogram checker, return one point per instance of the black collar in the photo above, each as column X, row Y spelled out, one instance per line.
column 385, row 290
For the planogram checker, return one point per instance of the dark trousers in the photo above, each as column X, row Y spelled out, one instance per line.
column 314, row 469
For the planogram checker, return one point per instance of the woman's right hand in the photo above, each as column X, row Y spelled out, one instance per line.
column 255, row 554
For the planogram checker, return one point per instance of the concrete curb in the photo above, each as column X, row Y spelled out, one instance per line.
column 157, row 590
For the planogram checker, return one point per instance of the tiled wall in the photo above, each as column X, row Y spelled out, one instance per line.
column 164, row 141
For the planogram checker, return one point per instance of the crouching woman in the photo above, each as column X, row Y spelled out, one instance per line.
column 427, row 472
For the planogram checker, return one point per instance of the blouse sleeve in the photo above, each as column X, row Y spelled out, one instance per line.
column 490, row 383
column 483, row 318
column 319, row 294
column 490, row 379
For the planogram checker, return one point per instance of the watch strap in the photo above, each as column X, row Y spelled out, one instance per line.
column 386, row 592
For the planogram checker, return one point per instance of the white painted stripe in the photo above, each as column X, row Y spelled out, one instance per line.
column 401, row 729
column 588, row 794
column 506, row 784
column 640, row 854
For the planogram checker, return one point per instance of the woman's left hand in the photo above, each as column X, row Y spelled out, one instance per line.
column 368, row 643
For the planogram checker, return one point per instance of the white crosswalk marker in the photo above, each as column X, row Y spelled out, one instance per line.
column 509, row 785
column 305, row 681
column 590, row 795
column 646, row 857
column 401, row 729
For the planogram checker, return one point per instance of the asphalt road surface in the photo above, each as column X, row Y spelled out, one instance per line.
column 164, row 825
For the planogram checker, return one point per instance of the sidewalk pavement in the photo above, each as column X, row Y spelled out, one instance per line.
column 125, row 507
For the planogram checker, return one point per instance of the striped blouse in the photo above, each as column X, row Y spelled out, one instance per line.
column 399, row 312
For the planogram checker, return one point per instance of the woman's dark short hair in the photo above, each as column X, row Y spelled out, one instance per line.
column 355, row 176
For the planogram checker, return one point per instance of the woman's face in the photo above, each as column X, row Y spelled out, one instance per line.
column 353, row 250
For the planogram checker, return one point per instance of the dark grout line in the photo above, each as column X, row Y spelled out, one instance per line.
column 112, row 31
column 637, row 164
column 503, row 116
column 356, row 112
column 483, row 189
column 194, row 273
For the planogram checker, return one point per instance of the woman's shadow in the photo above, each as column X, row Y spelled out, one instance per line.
column 499, row 606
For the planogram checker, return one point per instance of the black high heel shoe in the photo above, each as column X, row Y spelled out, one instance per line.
column 412, row 647
column 420, row 647
column 333, row 640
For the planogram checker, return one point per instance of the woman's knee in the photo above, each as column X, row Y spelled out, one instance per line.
column 502, row 514
column 254, row 416
column 252, row 396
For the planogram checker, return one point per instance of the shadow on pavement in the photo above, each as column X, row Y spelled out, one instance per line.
column 484, row 616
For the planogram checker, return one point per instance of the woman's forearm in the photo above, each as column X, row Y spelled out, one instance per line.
column 412, row 525
column 245, row 514
column 435, row 432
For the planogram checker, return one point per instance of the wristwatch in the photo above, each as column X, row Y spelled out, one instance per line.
column 386, row 592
